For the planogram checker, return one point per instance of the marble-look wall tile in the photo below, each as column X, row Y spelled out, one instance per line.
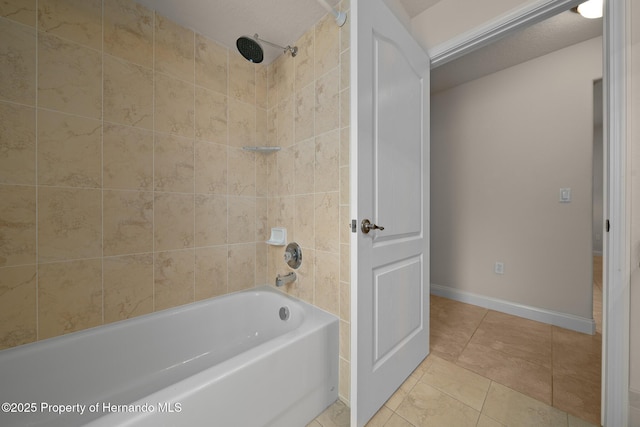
column 173, row 163
column 327, row 115
column 327, row 212
column 127, row 157
column 210, row 168
column 23, row 11
column 285, row 77
column 17, row 63
column 18, row 142
column 345, row 31
column 261, row 87
column 345, row 263
column 211, row 116
column 69, row 223
column 211, row 272
column 128, row 93
column 303, row 287
column 327, row 45
column 17, row 225
column 345, row 69
column 173, row 278
column 305, row 61
column 261, row 264
column 242, row 79
column 128, row 31
column 327, row 283
column 69, row 77
column 344, row 225
column 286, row 176
column 345, row 112
column 345, row 141
column 210, row 220
column 128, row 286
column 272, row 85
column 327, row 169
column 344, row 185
column 344, row 380
column 241, row 261
column 69, row 150
column 242, row 219
column 304, row 113
column 17, row 305
column 262, row 176
column 69, row 297
column 127, row 222
column 211, row 63
column 304, row 220
column 345, row 300
column 304, row 166
column 263, row 231
column 262, row 123
column 242, row 172
column 285, row 122
column 174, row 49
column 174, row 106
column 242, row 123
column 77, row 20
column 173, row 216
column 345, row 336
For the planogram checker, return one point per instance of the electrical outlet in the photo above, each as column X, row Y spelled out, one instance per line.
column 498, row 268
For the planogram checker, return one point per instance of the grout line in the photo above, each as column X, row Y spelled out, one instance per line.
column 102, row 162
column 153, row 163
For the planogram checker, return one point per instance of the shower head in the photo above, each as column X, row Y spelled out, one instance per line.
column 252, row 51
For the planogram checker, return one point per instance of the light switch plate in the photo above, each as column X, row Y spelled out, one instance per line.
column 565, row 195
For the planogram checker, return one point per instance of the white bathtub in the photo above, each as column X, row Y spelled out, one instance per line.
column 226, row 361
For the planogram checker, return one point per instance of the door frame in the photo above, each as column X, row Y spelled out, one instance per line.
column 616, row 286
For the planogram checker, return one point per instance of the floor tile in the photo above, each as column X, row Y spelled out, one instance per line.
column 380, row 418
column 485, row 421
column 397, row 421
column 516, row 336
column 459, row 383
column 426, row 406
column 512, row 371
column 577, row 354
column 577, row 396
column 452, row 325
column 578, row 422
column 336, row 415
column 512, row 408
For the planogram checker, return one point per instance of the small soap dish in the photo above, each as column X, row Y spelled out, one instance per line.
column 278, row 236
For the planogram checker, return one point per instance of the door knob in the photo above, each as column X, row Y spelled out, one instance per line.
column 368, row 226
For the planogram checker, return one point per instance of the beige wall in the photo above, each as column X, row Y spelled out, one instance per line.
column 502, row 147
column 123, row 183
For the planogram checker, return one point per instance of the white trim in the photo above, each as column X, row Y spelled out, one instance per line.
column 615, row 343
column 556, row 318
column 501, row 26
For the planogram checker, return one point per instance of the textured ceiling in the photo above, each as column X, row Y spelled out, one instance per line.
column 557, row 32
column 279, row 21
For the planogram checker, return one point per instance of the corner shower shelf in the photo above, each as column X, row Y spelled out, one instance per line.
column 265, row 150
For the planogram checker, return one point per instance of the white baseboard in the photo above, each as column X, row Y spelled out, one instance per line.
column 563, row 320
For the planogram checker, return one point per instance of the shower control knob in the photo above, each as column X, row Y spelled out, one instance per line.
column 368, row 226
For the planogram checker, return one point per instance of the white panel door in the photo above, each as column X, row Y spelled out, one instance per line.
column 390, row 176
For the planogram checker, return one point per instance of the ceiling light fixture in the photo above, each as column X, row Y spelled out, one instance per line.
column 590, row 9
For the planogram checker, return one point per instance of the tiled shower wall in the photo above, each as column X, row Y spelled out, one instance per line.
column 123, row 186
column 308, row 180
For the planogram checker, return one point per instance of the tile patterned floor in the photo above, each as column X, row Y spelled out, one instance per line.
column 491, row 369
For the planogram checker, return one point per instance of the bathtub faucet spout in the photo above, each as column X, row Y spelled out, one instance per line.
column 287, row 278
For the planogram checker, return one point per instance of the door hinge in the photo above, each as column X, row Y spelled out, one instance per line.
column 607, row 226
column 354, row 226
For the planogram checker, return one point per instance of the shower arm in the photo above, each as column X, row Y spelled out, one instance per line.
column 341, row 17
column 293, row 50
